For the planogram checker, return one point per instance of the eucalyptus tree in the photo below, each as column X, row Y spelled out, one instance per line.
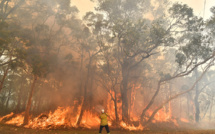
column 42, row 26
column 133, row 38
column 194, row 49
column 8, row 44
column 198, row 47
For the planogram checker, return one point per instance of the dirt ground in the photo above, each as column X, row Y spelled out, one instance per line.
column 8, row 129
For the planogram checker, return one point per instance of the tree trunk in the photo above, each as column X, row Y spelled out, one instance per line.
column 3, row 99
column 188, row 106
column 27, row 110
column 91, row 91
column 197, row 113
column 82, row 112
column 212, row 100
column 8, row 98
column 39, row 104
column 124, row 94
column 18, row 103
column 180, row 106
column 177, row 95
column 81, row 74
column 3, row 79
column 116, row 111
column 83, row 107
column 18, row 106
column 150, row 103
column 81, row 92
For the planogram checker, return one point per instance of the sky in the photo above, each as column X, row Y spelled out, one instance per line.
column 197, row 5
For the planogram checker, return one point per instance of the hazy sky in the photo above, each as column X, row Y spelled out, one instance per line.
column 197, row 5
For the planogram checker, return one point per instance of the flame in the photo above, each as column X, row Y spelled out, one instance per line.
column 163, row 116
column 56, row 119
column 90, row 120
column 6, row 116
column 130, row 127
column 111, row 106
column 61, row 117
column 18, row 120
column 67, row 117
column 184, row 120
column 133, row 97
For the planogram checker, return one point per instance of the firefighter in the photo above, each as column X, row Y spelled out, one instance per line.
column 104, row 122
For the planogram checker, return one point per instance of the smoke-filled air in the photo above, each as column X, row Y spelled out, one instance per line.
column 147, row 64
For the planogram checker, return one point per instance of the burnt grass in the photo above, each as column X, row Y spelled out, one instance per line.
column 11, row 129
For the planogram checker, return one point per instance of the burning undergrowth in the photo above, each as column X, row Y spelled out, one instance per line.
column 63, row 118
column 68, row 117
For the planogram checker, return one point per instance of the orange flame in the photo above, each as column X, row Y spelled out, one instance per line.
column 130, row 127
column 6, row 116
column 18, row 120
column 184, row 120
column 65, row 117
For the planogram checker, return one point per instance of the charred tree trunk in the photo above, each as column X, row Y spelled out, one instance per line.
column 83, row 107
column 116, row 111
column 150, row 103
column 82, row 112
column 80, row 92
column 28, row 107
column 84, row 104
column 124, row 93
column 91, row 91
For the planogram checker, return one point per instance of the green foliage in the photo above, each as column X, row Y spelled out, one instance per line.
column 40, row 67
column 180, row 58
column 211, row 22
column 194, row 44
column 164, row 76
column 157, row 33
column 181, row 11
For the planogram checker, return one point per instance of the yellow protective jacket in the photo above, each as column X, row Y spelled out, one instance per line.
column 104, row 120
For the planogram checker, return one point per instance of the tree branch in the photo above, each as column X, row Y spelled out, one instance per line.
column 179, row 94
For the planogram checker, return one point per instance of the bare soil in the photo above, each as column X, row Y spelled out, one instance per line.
column 8, row 129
